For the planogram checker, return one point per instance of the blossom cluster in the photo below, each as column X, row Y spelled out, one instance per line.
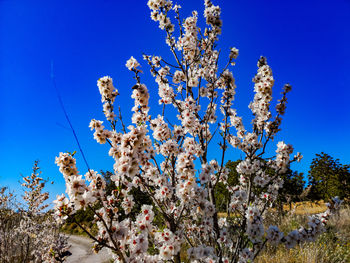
column 81, row 194
column 108, row 95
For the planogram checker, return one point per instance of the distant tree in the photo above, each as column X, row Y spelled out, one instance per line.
column 328, row 178
column 222, row 195
column 293, row 187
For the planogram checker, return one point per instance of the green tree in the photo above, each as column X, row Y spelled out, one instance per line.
column 293, row 187
column 222, row 196
column 328, row 178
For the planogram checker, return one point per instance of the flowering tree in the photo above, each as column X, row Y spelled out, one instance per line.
column 42, row 241
column 160, row 157
column 29, row 234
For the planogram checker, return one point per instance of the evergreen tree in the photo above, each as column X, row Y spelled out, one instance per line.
column 293, row 187
column 222, row 196
column 328, row 178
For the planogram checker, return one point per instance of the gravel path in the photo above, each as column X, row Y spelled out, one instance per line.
column 82, row 252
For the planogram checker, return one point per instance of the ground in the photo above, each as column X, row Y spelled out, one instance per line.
column 82, row 253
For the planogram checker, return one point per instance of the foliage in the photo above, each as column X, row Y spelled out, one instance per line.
column 328, row 177
column 222, row 195
column 293, row 186
column 168, row 159
column 292, row 190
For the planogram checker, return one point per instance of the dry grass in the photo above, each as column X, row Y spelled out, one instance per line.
column 299, row 208
column 307, row 207
column 222, row 214
column 331, row 247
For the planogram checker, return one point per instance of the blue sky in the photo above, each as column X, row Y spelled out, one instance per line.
column 306, row 43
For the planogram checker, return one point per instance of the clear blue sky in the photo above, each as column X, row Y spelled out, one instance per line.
column 306, row 43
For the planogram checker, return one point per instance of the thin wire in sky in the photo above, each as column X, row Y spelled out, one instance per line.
column 66, row 115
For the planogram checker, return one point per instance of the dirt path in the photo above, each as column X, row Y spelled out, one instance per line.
column 82, row 253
